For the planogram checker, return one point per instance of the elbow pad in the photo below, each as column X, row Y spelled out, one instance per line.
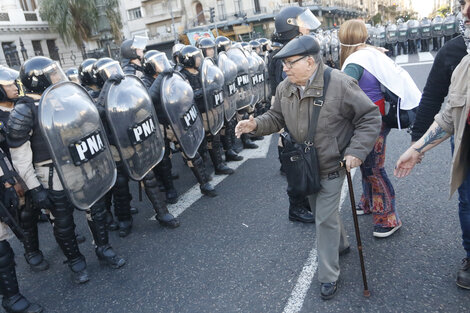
column 20, row 123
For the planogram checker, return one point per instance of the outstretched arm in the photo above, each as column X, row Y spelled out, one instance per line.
column 434, row 136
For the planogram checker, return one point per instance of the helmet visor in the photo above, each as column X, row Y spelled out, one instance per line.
column 139, row 42
column 7, row 76
column 54, row 74
column 159, row 62
column 111, row 68
column 305, row 20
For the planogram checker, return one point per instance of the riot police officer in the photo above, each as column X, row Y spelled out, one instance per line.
column 32, row 160
column 191, row 60
column 155, row 62
column 194, row 160
column 72, row 75
column 108, row 71
column 132, row 51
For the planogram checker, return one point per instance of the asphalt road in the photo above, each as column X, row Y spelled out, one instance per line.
column 238, row 252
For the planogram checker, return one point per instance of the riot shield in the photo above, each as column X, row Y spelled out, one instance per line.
column 134, row 126
column 402, row 32
column 381, row 36
column 254, row 79
column 449, row 25
column 334, row 48
column 261, row 79
column 413, row 29
column 392, row 34
column 177, row 100
column 425, row 29
column 76, row 139
column 245, row 94
column 212, row 80
column 229, row 69
column 436, row 26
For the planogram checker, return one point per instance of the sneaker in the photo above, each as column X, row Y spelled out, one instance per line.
column 463, row 275
column 384, row 232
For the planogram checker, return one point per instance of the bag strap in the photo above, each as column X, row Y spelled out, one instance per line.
column 317, row 105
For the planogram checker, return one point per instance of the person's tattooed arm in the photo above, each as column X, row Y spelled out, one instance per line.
column 434, row 136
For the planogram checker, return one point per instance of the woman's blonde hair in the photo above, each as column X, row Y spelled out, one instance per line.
column 352, row 36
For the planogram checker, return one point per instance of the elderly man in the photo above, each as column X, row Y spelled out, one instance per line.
column 348, row 125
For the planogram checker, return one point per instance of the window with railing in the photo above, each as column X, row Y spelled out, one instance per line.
column 37, row 47
column 134, row 14
column 30, row 16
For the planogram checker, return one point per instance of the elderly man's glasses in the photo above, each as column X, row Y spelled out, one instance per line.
column 290, row 64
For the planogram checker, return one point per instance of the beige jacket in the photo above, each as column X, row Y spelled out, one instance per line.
column 453, row 119
column 349, row 122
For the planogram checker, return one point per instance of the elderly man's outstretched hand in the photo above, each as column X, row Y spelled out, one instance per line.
column 245, row 126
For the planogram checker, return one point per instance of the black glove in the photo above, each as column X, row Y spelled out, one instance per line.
column 40, row 198
column 168, row 71
column 198, row 94
column 116, row 78
column 10, row 198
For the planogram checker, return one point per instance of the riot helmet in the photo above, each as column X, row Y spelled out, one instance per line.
column 155, row 62
column 38, row 73
column 191, row 57
column 85, row 72
column 255, row 46
column 176, row 52
column 207, row 46
column 245, row 46
column 72, row 75
column 133, row 48
column 276, row 45
column 223, row 43
column 104, row 68
column 291, row 21
column 8, row 77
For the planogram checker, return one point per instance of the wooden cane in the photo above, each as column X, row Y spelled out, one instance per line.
column 356, row 228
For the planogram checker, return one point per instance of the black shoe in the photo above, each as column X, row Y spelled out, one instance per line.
column 384, row 232
column 463, row 275
column 223, row 169
column 328, row 290
column 108, row 257
column 80, row 238
column 248, row 144
column 19, row 304
column 79, row 272
column 171, row 196
column 300, row 214
column 256, row 138
column 168, row 220
column 36, row 261
column 125, row 228
column 208, row 190
column 231, row 155
column 134, row 210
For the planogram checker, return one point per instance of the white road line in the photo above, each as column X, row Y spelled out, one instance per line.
column 297, row 298
column 194, row 193
column 400, row 59
column 425, row 56
column 417, row 63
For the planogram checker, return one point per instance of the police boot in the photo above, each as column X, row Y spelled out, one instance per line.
column 122, row 202
column 199, row 171
column 216, row 156
column 33, row 255
column 64, row 233
column 230, row 154
column 97, row 225
column 13, row 300
column 110, row 222
column 164, row 217
column 163, row 171
column 247, row 143
column 298, row 212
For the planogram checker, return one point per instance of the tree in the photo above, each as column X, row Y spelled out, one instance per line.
column 407, row 15
column 376, row 19
column 76, row 20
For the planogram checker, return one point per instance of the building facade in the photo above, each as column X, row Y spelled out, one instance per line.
column 23, row 35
